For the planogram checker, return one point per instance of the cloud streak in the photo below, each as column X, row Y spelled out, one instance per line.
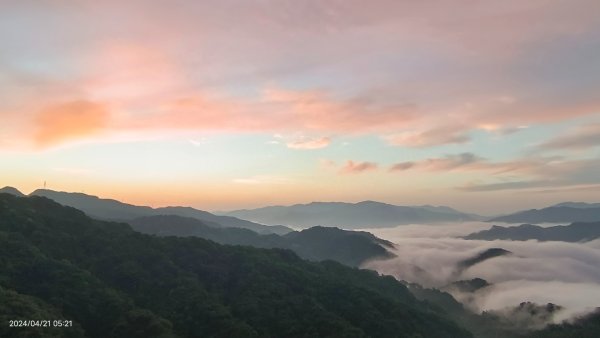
column 449, row 162
column 352, row 167
column 429, row 138
column 309, row 143
column 519, row 174
column 552, row 174
column 472, row 162
column 584, row 137
column 276, row 111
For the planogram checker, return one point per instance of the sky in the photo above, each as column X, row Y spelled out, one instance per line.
column 485, row 106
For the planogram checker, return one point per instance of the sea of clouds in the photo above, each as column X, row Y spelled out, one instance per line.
column 567, row 274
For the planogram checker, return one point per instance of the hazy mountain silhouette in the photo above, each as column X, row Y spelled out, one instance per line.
column 317, row 243
column 575, row 232
column 580, row 205
column 560, row 213
column 12, row 191
column 109, row 209
column 350, row 215
column 349, row 247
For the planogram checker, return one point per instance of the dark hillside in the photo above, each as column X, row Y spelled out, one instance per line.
column 114, row 282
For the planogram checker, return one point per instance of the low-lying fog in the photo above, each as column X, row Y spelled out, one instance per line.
column 566, row 274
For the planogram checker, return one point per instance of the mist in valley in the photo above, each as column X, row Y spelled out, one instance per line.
column 566, row 274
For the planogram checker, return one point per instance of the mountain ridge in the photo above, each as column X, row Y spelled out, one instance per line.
column 552, row 214
column 318, row 243
column 574, row 232
column 364, row 214
column 12, row 191
column 114, row 210
column 580, row 205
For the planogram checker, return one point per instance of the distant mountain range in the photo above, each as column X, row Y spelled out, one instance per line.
column 273, row 219
column 318, row 243
column 367, row 214
column 575, row 232
column 113, row 210
column 560, row 213
column 580, row 205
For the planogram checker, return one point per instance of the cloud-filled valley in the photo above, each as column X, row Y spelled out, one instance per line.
column 562, row 273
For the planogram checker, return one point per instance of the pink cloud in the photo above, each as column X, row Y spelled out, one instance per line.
column 308, row 143
column 432, row 137
column 352, row 167
column 70, row 120
column 278, row 111
column 318, row 110
column 536, row 112
column 174, row 67
column 130, row 71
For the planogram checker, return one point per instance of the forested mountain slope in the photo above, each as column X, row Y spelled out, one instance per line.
column 114, row 282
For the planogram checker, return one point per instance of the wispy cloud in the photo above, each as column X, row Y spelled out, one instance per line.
column 437, row 164
column 309, row 143
column 560, row 174
column 281, row 111
column 511, row 185
column 583, row 137
column 576, row 188
column 520, row 174
column 471, row 162
column 430, row 138
column 352, row 167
